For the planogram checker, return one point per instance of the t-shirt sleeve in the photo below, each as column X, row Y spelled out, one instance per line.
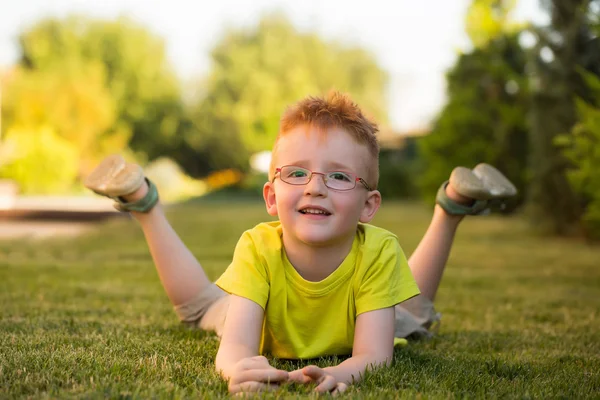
column 387, row 280
column 247, row 275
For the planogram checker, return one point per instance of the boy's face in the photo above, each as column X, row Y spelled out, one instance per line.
column 333, row 150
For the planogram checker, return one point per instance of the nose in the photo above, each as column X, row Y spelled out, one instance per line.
column 316, row 185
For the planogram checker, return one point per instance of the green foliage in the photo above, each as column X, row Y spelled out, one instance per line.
column 106, row 85
column 553, row 205
column 100, row 85
column 258, row 72
column 484, row 119
column 172, row 183
column 135, row 72
column 488, row 19
column 73, row 101
column 582, row 148
column 41, row 162
column 398, row 170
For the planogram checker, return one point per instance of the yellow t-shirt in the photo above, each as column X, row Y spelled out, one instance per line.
column 306, row 319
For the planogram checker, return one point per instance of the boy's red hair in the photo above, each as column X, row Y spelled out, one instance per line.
column 334, row 110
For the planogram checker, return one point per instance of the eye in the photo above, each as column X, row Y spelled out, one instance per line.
column 340, row 176
column 297, row 173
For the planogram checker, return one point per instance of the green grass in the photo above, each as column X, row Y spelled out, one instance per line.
column 87, row 317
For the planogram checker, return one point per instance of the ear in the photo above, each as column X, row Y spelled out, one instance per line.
column 269, row 196
column 371, row 206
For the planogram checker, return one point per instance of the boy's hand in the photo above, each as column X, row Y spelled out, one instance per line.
column 255, row 374
column 327, row 383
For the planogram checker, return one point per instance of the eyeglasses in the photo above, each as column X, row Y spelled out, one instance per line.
column 336, row 180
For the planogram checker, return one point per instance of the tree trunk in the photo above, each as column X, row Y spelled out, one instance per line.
column 554, row 208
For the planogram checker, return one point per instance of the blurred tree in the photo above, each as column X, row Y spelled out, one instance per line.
column 582, row 145
column 582, row 149
column 488, row 19
column 73, row 101
column 258, row 72
column 484, row 119
column 41, row 162
column 566, row 45
column 64, row 108
column 145, row 91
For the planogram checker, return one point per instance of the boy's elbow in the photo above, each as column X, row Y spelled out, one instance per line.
column 221, row 366
column 387, row 360
column 380, row 359
column 383, row 359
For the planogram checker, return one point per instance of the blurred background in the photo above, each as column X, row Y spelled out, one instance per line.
column 194, row 92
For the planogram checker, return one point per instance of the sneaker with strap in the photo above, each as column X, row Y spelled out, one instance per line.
column 484, row 184
column 115, row 178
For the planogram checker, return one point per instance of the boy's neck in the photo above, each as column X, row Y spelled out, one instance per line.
column 315, row 263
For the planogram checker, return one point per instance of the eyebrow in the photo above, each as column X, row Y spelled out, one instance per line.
column 340, row 166
column 332, row 165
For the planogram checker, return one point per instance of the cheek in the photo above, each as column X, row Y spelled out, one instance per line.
column 286, row 199
column 350, row 206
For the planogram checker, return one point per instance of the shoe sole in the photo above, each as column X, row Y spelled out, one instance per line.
column 496, row 184
column 108, row 168
column 114, row 177
column 127, row 181
column 467, row 184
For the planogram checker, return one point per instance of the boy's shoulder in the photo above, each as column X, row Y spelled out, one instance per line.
column 266, row 234
column 375, row 236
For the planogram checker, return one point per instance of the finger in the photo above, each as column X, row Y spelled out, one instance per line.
column 262, row 375
column 313, row 372
column 298, row 377
column 251, row 387
column 327, row 384
column 339, row 389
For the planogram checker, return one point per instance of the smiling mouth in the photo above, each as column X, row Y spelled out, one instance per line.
column 312, row 211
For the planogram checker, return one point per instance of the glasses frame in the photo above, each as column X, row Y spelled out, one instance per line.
column 324, row 176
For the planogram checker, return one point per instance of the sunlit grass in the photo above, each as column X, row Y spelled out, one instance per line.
column 87, row 317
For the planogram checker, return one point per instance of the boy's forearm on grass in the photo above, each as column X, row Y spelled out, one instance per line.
column 179, row 271
column 230, row 354
column 353, row 369
column 373, row 345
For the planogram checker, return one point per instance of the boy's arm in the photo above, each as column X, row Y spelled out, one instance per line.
column 373, row 346
column 238, row 358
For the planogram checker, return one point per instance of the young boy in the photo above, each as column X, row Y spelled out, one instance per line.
column 320, row 281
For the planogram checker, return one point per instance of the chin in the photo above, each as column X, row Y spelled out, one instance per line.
column 318, row 238
column 314, row 238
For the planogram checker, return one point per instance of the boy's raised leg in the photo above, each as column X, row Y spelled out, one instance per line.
column 180, row 273
column 468, row 192
column 429, row 259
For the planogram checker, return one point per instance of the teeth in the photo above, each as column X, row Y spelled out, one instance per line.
column 313, row 211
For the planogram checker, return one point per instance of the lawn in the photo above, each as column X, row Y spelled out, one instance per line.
column 87, row 317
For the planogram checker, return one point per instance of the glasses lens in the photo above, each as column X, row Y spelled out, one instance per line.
column 340, row 181
column 295, row 175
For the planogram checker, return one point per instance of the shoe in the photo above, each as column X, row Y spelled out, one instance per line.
column 453, row 208
column 484, row 184
column 466, row 183
column 497, row 185
column 114, row 178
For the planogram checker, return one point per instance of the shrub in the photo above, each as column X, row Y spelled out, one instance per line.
column 582, row 148
column 42, row 162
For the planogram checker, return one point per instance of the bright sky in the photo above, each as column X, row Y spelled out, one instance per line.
column 415, row 41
